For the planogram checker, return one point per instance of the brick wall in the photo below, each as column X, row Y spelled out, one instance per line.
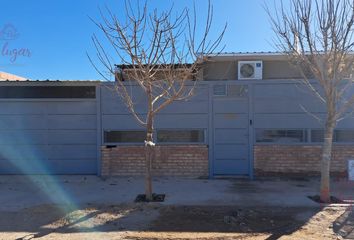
column 299, row 160
column 177, row 160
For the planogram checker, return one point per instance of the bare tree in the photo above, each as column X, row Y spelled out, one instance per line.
column 158, row 51
column 317, row 36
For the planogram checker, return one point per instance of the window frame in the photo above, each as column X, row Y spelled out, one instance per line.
column 121, row 143
column 307, row 131
column 154, row 137
column 181, row 143
column 342, row 129
column 71, row 98
column 304, row 130
column 310, row 137
column 335, row 142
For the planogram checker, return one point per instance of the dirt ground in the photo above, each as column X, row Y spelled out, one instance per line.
column 155, row 221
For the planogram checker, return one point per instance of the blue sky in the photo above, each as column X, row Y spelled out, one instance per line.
column 54, row 36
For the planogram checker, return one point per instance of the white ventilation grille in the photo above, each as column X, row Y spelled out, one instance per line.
column 219, row 90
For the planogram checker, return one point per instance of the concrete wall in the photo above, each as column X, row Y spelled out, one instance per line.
column 174, row 160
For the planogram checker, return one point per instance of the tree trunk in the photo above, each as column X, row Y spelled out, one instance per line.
column 149, row 152
column 326, row 160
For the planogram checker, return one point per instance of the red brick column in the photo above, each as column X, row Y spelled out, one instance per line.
column 176, row 160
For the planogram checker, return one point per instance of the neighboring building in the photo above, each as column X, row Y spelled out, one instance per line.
column 11, row 77
column 242, row 121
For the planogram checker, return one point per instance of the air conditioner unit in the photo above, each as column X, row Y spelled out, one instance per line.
column 250, row 70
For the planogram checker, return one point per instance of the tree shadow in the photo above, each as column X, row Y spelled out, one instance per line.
column 344, row 224
column 274, row 221
column 45, row 220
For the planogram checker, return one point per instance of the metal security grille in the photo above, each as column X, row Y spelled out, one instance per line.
column 219, row 90
column 237, row 90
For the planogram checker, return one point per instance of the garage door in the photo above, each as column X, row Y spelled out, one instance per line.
column 48, row 130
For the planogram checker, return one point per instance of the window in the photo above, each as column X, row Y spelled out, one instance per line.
column 124, row 136
column 180, row 136
column 48, row 92
column 281, row 135
column 344, row 135
column 341, row 135
column 317, row 135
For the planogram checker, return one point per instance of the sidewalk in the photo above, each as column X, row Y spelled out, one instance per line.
column 18, row 192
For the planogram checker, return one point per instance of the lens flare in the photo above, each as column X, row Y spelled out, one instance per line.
column 26, row 151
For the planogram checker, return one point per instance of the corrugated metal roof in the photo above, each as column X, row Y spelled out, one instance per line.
column 49, row 82
column 265, row 53
column 248, row 53
column 232, row 56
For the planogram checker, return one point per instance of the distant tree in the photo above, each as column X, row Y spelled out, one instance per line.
column 160, row 52
column 317, row 36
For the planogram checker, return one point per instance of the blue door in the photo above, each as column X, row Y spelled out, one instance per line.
column 231, row 129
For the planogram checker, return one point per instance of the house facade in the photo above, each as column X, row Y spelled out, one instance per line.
column 250, row 116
